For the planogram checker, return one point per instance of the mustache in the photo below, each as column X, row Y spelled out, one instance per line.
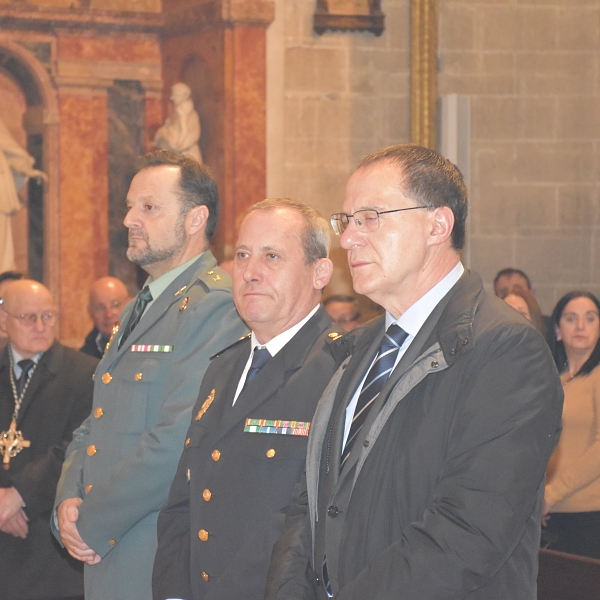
column 140, row 233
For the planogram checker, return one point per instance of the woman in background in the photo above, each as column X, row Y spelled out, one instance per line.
column 572, row 493
column 524, row 302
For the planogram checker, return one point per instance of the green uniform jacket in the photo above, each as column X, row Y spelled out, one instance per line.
column 123, row 457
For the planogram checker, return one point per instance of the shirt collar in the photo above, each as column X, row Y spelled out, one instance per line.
column 17, row 357
column 160, row 284
column 279, row 341
column 413, row 318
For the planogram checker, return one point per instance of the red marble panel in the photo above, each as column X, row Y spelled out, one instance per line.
column 83, row 207
column 226, row 70
column 125, row 48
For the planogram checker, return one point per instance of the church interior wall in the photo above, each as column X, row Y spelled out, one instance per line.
column 530, row 69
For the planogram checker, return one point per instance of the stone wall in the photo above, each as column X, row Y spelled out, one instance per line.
column 332, row 98
column 531, row 69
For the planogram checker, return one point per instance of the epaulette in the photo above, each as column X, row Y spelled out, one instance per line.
column 215, row 279
column 243, row 338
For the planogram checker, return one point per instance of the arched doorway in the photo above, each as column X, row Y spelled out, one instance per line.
column 28, row 106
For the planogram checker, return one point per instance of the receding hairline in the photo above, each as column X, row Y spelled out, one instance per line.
column 17, row 288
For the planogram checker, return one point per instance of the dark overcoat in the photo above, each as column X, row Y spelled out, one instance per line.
column 227, row 501
column 443, row 498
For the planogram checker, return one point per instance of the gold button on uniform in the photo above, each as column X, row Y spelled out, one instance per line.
column 270, row 453
column 187, row 442
column 207, row 495
column 205, row 576
column 92, row 450
column 88, row 488
column 216, row 455
column 106, row 378
column 112, row 542
column 203, row 535
column 138, row 376
column 98, row 413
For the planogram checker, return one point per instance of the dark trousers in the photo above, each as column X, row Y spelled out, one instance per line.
column 575, row 533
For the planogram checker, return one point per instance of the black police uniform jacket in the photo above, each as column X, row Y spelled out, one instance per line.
column 58, row 398
column 442, row 499
column 226, row 506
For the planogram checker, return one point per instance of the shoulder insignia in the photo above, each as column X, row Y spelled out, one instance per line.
column 332, row 336
column 242, row 339
column 180, row 290
column 215, row 279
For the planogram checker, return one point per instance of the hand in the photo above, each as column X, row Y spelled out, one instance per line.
column 17, row 526
column 68, row 514
column 10, row 504
column 545, row 516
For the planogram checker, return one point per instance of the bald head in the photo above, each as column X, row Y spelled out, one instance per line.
column 108, row 296
column 28, row 316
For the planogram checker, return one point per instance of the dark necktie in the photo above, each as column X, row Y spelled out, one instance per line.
column 26, row 366
column 142, row 301
column 259, row 359
column 374, row 382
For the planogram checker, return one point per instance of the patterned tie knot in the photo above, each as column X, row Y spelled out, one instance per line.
column 394, row 336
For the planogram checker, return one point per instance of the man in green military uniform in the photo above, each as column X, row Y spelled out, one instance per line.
column 122, row 459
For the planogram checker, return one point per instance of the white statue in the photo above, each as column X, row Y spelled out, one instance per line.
column 181, row 130
column 16, row 167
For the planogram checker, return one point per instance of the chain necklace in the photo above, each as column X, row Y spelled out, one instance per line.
column 11, row 441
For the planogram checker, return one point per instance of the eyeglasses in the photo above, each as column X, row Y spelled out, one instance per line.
column 365, row 220
column 30, row 319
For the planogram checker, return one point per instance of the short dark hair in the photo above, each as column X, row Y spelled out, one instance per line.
column 11, row 276
column 196, row 184
column 429, row 179
column 535, row 311
column 315, row 236
column 509, row 272
column 560, row 354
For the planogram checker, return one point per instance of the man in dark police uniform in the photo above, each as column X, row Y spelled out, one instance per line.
column 246, row 445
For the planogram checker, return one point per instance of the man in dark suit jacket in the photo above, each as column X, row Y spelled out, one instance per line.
column 56, row 396
column 108, row 296
column 246, row 446
column 426, row 460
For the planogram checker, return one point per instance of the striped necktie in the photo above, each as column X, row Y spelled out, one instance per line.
column 374, row 382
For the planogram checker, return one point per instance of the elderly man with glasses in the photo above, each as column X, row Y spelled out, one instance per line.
column 426, row 461
column 45, row 393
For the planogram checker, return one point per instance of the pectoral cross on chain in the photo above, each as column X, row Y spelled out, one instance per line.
column 11, row 443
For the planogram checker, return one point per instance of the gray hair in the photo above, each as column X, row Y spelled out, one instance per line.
column 315, row 237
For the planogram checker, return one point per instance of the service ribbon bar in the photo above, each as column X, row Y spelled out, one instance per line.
column 277, row 426
column 151, row 348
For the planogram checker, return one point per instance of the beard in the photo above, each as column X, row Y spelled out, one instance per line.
column 152, row 253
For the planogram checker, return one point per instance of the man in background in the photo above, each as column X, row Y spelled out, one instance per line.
column 343, row 311
column 122, row 460
column 108, row 296
column 45, row 393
